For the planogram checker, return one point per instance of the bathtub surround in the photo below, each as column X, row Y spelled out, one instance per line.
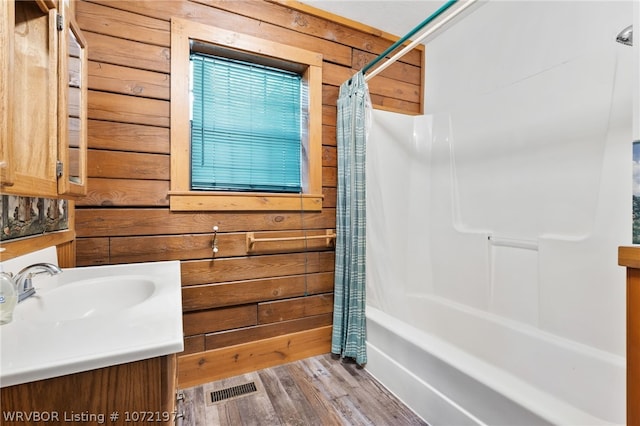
column 349, row 326
column 496, row 266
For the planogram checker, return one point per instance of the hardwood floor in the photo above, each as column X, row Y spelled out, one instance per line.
column 314, row 391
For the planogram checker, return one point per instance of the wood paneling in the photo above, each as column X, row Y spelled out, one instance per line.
column 245, row 309
column 96, row 222
column 251, row 291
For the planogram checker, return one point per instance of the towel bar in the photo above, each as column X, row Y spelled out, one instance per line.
column 252, row 240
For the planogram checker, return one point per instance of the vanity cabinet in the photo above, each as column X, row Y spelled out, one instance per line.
column 44, row 100
column 140, row 392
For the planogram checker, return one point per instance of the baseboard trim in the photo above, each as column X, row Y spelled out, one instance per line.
column 203, row 367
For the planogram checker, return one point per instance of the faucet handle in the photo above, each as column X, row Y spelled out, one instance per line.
column 23, row 278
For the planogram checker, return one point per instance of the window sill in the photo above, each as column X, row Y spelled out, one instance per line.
column 243, row 201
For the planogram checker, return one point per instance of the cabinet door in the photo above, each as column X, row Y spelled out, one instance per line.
column 6, row 93
column 72, row 108
column 30, row 148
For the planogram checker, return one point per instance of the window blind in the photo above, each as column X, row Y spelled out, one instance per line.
column 245, row 126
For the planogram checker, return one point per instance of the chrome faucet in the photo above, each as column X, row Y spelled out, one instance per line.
column 23, row 278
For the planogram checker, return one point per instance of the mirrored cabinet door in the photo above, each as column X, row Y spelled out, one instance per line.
column 72, row 108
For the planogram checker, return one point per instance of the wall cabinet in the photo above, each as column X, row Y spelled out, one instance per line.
column 44, row 98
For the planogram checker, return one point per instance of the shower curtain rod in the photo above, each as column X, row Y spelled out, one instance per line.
column 417, row 41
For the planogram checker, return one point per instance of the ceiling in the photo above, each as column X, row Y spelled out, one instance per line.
column 396, row 17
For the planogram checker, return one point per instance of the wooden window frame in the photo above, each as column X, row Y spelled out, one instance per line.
column 181, row 197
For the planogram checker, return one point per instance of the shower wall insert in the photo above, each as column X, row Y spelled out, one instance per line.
column 493, row 291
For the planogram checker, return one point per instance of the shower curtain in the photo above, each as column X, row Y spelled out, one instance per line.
column 349, row 325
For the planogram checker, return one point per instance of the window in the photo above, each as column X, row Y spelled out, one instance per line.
column 245, row 126
column 246, row 131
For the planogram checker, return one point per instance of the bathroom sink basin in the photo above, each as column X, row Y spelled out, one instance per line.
column 88, row 298
column 92, row 317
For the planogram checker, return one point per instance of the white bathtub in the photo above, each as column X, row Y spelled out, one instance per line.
column 490, row 370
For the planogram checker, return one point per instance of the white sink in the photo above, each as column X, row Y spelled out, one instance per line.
column 90, row 297
column 92, row 317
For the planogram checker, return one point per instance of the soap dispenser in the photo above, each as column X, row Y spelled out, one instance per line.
column 8, row 297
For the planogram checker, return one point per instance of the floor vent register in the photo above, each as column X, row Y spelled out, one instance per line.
column 233, row 392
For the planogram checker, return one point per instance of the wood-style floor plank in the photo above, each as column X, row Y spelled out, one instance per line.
column 314, row 391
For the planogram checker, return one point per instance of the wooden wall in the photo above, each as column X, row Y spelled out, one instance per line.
column 240, row 298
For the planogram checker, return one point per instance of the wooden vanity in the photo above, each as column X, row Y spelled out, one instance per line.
column 140, row 392
column 629, row 257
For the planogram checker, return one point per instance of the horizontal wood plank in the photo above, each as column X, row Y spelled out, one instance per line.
column 127, row 137
column 127, row 81
column 300, row 307
column 329, row 134
column 252, row 267
column 330, row 94
column 251, row 291
column 125, row 192
column 248, row 334
column 329, row 116
column 398, row 90
column 94, row 222
column 127, row 109
column 199, row 246
column 395, row 105
column 193, row 344
column 330, row 177
column 195, row 369
column 122, row 24
column 127, row 165
column 92, row 251
column 330, row 197
column 201, row 322
column 118, row 51
column 329, row 156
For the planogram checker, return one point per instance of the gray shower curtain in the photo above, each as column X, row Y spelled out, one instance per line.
column 349, row 322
